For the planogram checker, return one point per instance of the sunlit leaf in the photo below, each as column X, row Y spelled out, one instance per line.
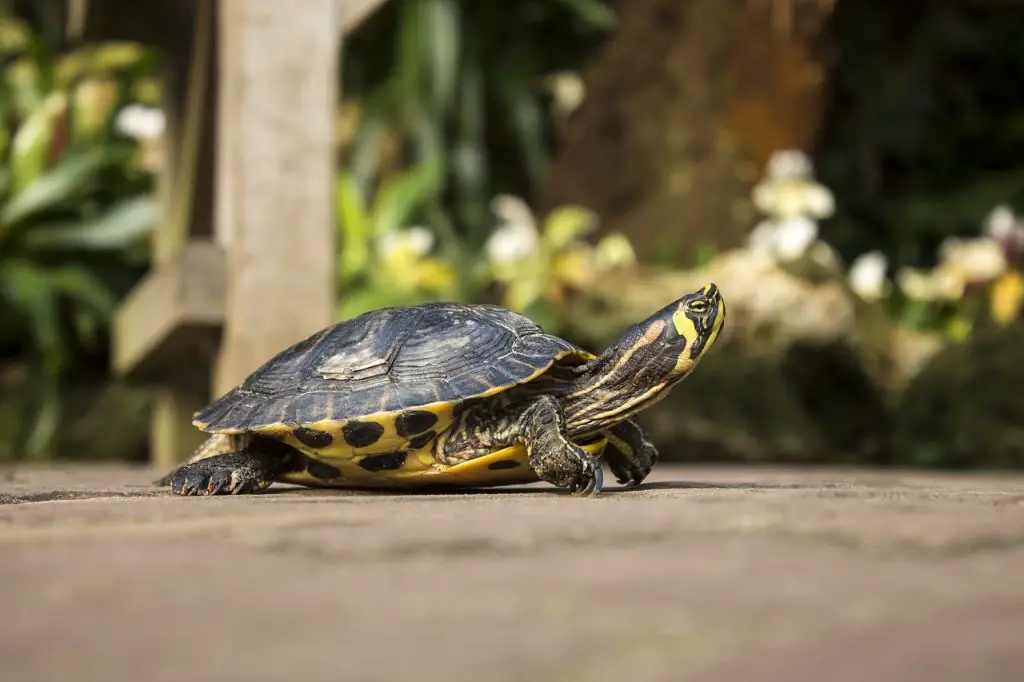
column 125, row 222
column 365, row 151
column 566, row 224
column 353, row 222
column 441, row 41
column 24, row 83
column 56, row 186
column 30, row 145
column 398, row 197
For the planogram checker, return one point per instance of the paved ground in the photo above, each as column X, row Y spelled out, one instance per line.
column 707, row 574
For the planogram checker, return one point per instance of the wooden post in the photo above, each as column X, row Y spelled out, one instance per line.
column 186, row 192
column 275, row 176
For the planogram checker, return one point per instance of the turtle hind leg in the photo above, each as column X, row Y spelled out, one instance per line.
column 248, row 470
column 216, row 444
column 630, row 454
column 556, row 459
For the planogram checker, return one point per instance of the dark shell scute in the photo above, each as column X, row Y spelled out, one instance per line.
column 362, row 434
column 386, row 360
column 385, row 461
column 322, row 470
column 421, row 440
column 414, row 421
column 313, row 438
column 502, row 464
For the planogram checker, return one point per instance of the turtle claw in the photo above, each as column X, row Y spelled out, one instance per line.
column 592, row 478
column 226, row 474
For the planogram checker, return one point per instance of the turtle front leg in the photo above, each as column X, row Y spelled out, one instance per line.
column 541, row 428
column 247, row 470
column 630, row 454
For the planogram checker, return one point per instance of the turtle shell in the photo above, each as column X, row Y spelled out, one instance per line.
column 388, row 379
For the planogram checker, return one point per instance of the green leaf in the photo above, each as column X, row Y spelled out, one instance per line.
column 366, row 151
column 593, row 12
column 27, row 289
column 58, row 185
column 441, row 32
column 122, row 224
column 409, row 57
column 81, row 285
column 529, row 128
column 400, row 196
column 567, row 224
column 353, row 222
column 30, row 146
column 469, row 160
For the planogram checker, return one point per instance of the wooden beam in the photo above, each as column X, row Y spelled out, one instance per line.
column 182, row 297
column 351, row 13
column 147, row 22
column 275, row 176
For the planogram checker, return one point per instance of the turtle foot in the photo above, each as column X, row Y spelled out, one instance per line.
column 236, row 473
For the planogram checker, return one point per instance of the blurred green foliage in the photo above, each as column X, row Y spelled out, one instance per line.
column 925, row 129
column 73, row 213
column 449, row 118
column 462, row 86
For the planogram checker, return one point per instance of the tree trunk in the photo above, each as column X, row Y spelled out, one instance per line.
column 685, row 103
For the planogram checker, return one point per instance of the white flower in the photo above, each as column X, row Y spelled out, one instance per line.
column 512, row 209
column 1000, row 223
column 974, row 260
column 140, row 122
column 789, row 189
column 414, row 241
column 784, row 240
column 867, row 275
column 567, row 91
column 512, row 242
column 794, row 237
column 788, row 198
column 762, row 238
column 789, row 164
column 517, row 236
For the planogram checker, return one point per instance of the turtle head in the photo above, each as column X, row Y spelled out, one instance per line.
column 697, row 319
column 647, row 359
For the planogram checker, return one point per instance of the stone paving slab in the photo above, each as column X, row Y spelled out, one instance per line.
column 704, row 574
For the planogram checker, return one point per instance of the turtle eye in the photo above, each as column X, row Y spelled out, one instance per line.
column 699, row 306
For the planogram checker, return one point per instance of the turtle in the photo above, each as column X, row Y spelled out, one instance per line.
column 448, row 394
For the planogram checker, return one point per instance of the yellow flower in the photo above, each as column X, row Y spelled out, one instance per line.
column 434, row 274
column 574, row 265
column 1007, row 297
column 614, row 251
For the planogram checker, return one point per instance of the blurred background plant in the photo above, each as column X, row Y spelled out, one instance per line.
column 74, row 212
column 386, row 258
column 861, row 219
column 538, row 270
column 475, row 89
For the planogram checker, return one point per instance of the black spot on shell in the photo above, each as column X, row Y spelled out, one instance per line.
column 362, row 434
column 503, row 464
column 414, row 421
column 312, row 438
column 322, row 470
column 419, row 441
column 386, row 461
